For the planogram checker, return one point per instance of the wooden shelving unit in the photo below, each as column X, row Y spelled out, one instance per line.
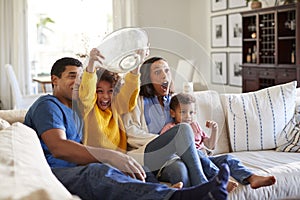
column 270, row 38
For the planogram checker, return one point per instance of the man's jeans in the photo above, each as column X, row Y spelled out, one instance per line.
column 100, row 181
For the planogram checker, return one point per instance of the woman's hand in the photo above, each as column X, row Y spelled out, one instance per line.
column 143, row 53
column 119, row 160
column 127, row 165
column 195, row 127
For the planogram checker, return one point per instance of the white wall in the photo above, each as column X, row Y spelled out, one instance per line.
column 168, row 14
column 190, row 17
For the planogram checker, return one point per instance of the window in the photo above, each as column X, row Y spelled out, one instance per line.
column 65, row 28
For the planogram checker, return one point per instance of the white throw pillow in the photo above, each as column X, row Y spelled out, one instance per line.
column 256, row 119
column 209, row 107
column 3, row 124
column 24, row 171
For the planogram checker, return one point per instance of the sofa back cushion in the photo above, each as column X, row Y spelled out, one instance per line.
column 24, row 171
column 256, row 119
column 209, row 107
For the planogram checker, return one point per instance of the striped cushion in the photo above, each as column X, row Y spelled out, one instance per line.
column 292, row 131
column 257, row 119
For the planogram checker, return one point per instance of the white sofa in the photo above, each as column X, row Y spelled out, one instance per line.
column 24, row 171
column 252, row 126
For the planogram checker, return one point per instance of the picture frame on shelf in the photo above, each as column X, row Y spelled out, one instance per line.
column 237, row 3
column 235, row 69
column 218, row 5
column 219, row 31
column 219, row 67
column 235, row 30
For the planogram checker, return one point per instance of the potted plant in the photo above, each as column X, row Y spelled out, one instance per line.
column 41, row 26
column 254, row 4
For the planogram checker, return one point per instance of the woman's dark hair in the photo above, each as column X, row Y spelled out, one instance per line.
column 181, row 98
column 147, row 89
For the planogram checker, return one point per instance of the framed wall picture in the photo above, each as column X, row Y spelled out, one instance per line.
column 237, row 3
column 219, row 67
column 235, row 69
column 235, row 30
column 217, row 5
column 219, row 31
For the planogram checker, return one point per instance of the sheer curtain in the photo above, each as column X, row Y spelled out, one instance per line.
column 14, row 40
column 14, row 47
column 124, row 13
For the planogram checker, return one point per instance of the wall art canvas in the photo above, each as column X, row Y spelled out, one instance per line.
column 219, row 67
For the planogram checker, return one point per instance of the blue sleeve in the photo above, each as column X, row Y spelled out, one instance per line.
column 49, row 116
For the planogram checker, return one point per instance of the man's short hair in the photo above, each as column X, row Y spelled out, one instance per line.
column 60, row 65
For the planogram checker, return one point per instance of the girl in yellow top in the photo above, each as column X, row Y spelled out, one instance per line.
column 102, row 105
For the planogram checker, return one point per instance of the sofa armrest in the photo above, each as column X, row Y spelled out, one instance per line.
column 25, row 173
column 12, row 116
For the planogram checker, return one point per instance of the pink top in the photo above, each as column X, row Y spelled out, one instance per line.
column 199, row 134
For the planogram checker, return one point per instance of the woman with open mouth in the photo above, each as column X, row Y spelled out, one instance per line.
column 172, row 156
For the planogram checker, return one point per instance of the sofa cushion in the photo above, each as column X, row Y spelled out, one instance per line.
column 285, row 166
column 13, row 115
column 292, row 134
column 256, row 119
column 24, row 171
column 3, row 124
column 209, row 107
column 292, row 145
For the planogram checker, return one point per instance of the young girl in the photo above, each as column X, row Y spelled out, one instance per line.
column 182, row 109
column 102, row 104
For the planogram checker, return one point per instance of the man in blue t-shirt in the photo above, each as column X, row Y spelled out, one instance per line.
column 96, row 173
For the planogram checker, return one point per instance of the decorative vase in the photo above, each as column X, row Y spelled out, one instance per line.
column 255, row 4
column 289, row 2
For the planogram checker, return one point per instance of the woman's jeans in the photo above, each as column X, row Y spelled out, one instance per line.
column 175, row 172
column 178, row 140
column 99, row 181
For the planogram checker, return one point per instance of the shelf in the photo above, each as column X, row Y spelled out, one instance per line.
column 287, row 38
column 277, row 42
column 267, row 28
column 249, row 40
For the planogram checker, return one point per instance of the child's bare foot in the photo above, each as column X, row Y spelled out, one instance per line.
column 257, row 181
column 178, row 185
column 232, row 185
